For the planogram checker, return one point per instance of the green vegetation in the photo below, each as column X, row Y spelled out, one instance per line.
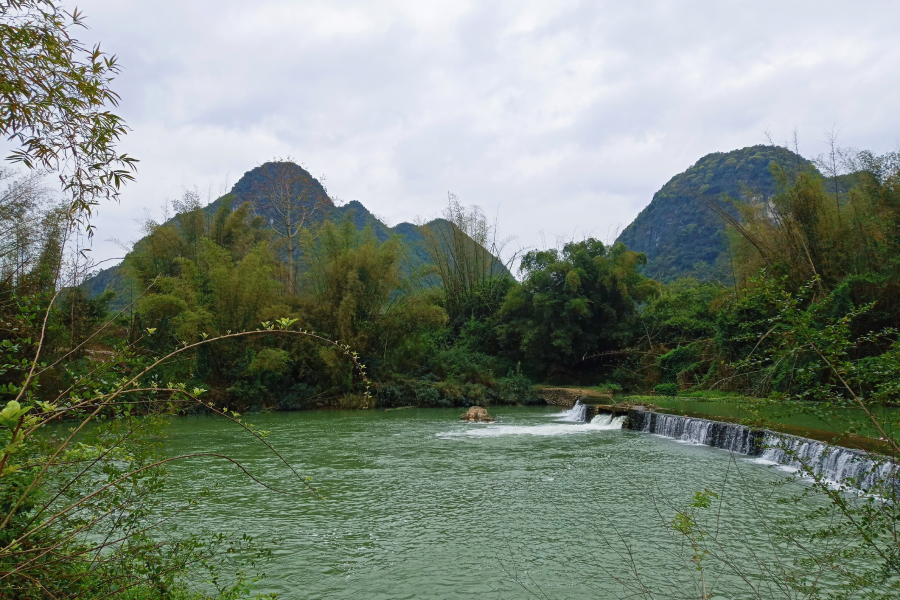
column 666, row 389
column 454, row 328
column 55, row 99
column 679, row 232
column 570, row 304
column 274, row 298
column 811, row 324
column 361, row 319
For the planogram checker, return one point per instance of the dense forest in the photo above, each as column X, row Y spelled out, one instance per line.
column 439, row 320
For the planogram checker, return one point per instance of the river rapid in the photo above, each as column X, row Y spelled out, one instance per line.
column 417, row 504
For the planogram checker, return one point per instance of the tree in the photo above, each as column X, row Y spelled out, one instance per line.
column 28, row 226
column 354, row 293
column 813, row 228
column 54, row 102
column 465, row 249
column 285, row 195
column 198, row 286
column 571, row 303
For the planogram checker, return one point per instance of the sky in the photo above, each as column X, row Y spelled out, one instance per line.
column 560, row 118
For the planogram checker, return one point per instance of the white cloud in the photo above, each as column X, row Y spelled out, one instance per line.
column 565, row 116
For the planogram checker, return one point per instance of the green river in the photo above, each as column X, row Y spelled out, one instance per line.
column 417, row 504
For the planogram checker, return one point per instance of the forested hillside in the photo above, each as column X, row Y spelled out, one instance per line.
column 270, row 189
column 681, row 235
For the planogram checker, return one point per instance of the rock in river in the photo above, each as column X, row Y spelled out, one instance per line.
column 477, row 414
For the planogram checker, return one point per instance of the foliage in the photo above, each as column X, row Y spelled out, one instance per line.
column 667, row 389
column 847, row 546
column 465, row 249
column 681, row 313
column 32, row 233
column 286, row 195
column 813, row 228
column 677, row 361
column 201, row 276
column 814, row 321
column 207, row 275
column 353, row 292
column 680, row 234
column 458, row 389
column 79, row 318
column 55, row 100
column 571, row 303
column 81, row 510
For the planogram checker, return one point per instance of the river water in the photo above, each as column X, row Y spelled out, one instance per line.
column 417, row 504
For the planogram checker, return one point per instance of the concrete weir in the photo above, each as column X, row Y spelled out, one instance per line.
column 728, row 436
column 841, row 466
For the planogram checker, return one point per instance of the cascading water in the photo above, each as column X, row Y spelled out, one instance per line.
column 572, row 421
column 607, row 421
column 576, row 414
column 736, row 438
column 838, row 465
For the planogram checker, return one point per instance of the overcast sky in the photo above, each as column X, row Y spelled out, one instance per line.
column 563, row 116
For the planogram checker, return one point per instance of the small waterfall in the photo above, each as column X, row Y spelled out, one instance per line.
column 576, row 414
column 840, row 466
column 608, row 421
column 735, row 438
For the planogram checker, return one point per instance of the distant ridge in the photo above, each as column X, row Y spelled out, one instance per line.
column 679, row 234
column 113, row 278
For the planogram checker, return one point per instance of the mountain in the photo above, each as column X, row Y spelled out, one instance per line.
column 250, row 189
column 680, row 234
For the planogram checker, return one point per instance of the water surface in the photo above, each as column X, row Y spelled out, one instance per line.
column 416, row 504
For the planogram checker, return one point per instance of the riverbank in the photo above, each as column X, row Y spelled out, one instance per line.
column 785, row 417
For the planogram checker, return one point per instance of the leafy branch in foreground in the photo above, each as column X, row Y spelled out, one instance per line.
column 81, row 513
column 54, row 102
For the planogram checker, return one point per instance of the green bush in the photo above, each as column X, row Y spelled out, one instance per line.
column 611, row 388
column 667, row 389
column 296, row 398
column 675, row 361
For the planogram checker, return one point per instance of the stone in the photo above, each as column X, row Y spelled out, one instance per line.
column 476, row 414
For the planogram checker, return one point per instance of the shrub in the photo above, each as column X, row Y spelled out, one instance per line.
column 676, row 361
column 667, row 389
column 611, row 388
column 296, row 398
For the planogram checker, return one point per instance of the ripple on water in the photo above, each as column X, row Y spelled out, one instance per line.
column 416, row 504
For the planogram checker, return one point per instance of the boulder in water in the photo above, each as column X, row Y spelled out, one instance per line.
column 476, row 414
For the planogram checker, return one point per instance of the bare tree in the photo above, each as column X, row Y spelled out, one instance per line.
column 289, row 198
column 466, row 252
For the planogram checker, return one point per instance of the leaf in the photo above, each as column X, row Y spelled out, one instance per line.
column 9, row 416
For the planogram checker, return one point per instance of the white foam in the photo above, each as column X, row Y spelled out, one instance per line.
column 576, row 414
column 598, row 423
column 762, row 461
column 831, row 483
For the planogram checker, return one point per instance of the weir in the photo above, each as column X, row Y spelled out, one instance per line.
column 728, row 436
column 576, row 414
column 838, row 465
